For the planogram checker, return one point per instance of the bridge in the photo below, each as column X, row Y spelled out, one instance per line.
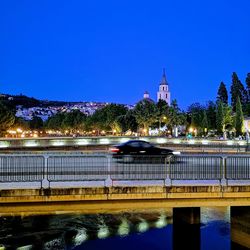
column 95, row 181
column 45, row 183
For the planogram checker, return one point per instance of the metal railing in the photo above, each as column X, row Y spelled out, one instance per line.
column 237, row 168
column 196, row 168
column 102, row 167
column 21, row 168
column 139, row 167
column 77, row 168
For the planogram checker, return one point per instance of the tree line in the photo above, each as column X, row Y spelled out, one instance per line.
column 218, row 117
column 113, row 118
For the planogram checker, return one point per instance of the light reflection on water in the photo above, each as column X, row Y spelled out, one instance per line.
column 134, row 230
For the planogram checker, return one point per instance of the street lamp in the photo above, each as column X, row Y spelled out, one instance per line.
column 191, row 130
column 18, row 130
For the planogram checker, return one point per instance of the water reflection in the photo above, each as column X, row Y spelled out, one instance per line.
column 72, row 231
column 123, row 229
column 147, row 230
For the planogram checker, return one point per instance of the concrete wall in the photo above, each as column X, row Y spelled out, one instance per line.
column 119, row 198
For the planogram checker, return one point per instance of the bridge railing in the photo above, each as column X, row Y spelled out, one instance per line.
column 196, row 168
column 138, row 167
column 21, row 168
column 237, row 168
column 77, row 168
column 102, row 167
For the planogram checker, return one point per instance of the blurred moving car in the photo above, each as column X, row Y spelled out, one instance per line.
column 137, row 149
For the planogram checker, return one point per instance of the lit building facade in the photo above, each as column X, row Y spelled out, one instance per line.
column 164, row 93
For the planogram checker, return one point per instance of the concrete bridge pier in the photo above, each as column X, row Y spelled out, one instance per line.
column 186, row 228
column 240, row 227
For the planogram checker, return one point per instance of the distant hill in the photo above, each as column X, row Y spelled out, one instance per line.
column 13, row 101
column 27, row 102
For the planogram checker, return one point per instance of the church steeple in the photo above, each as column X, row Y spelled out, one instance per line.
column 163, row 80
column 163, row 93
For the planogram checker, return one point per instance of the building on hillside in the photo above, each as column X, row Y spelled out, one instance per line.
column 146, row 95
column 164, row 93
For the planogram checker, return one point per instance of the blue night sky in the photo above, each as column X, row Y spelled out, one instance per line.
column 113, row 51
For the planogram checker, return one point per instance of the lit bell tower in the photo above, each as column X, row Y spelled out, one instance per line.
column 164, row 93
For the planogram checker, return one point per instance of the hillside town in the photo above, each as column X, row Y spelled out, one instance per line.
column 88, row 108
column 39, row 109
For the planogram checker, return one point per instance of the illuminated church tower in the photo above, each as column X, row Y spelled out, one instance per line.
column 164, row 93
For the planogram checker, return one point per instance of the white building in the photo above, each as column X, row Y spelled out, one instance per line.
column 164, row 93
column 246, row 124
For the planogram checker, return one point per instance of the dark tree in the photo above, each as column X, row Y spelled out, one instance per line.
column 239, row 118
column 145, row 113
column 211, row 114
column 106, row 117
column 248, row 87
column 196, row 111
column 222, row 93
column 204, row 122
column 7, row 118
column 220, row 118
column 112, row 112
column 162, row 111
column 237, row 90
column 128, row 122
column 21, row 123
column 36, row 123
column 55, row 122
column 175, row 116
column 74, row 121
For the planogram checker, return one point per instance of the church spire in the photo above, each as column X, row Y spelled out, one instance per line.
column 163, row 80
column 163, row 93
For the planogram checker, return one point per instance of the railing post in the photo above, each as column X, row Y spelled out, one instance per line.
column 223, row 180
column 45, row 182
column 168, row 181
column 108, row 181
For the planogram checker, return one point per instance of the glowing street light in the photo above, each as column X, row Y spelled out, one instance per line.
column 18, row 130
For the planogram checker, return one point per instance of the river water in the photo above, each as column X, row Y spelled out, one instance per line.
column 133, row 230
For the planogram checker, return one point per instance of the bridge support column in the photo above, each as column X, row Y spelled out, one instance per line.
column 186, row 228
column 240, row 228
